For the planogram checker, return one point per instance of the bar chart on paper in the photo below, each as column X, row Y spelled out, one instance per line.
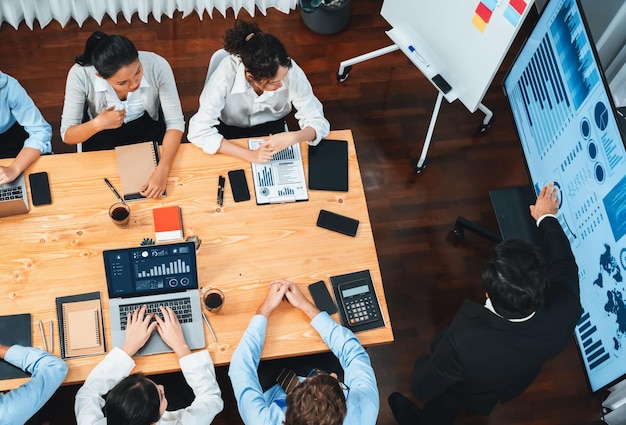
column 282, row 178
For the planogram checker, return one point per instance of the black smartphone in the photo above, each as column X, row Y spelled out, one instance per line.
column 441, row 83
column 322, row 297
column 338, row 223
column 40, row 188
column 239, row 185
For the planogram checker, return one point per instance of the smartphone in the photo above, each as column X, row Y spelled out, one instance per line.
column 322, row 297
column 40, row 188
column 337, row 222
column 239, row 185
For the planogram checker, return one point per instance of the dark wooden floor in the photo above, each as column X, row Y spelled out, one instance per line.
column 387, row 103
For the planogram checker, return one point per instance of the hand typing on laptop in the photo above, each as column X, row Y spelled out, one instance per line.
column 141, row 325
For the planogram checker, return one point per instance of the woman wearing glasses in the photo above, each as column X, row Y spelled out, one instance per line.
column 250, row 93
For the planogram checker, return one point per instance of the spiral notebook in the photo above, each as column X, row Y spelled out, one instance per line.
column 81, row 326
column 136, row 163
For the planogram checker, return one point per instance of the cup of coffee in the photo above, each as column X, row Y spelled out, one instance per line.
column 120, row 214
column 213, row 299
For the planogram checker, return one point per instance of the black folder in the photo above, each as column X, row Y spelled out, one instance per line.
column 328, row 166
column 14, row 329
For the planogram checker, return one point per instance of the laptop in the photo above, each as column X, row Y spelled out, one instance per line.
column 154, row 275
column 13, row 199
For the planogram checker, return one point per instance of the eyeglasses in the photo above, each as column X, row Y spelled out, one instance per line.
column 344, row 387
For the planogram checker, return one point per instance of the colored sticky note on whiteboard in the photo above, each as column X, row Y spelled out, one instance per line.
column 518, row 5
column 479, row 23
column 511, row 15
column 483, row 12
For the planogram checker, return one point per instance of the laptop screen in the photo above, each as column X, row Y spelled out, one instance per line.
column 151, row 270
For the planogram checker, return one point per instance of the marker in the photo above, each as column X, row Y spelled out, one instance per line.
column 220, row 190
column 419, row 57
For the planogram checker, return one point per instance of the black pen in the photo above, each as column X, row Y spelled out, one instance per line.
column 220, row 190
column 113, row 189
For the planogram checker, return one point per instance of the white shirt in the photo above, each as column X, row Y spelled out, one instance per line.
column 229, row 97
column 132, row 105
column 196, row 367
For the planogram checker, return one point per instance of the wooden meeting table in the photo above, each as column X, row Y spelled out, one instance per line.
column 56, row 250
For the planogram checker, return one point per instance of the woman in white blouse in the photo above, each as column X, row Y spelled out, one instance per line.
column 250, row 93
column 115, row 95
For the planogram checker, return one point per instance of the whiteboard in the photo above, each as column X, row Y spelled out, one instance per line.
column 463, row 40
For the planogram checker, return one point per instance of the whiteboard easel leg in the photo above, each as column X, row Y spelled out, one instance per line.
column 489, row 118
column 431, row 127
column 346, row 66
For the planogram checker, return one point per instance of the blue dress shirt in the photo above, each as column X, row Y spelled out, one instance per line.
column 256, row 407
column 48, row 372
column 17, row 106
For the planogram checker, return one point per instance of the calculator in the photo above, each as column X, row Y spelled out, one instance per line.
column 359, row 302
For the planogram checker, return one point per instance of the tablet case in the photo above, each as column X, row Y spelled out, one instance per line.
column 328, row 166
column 15, row 329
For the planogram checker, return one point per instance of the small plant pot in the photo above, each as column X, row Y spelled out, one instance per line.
column 327, row 20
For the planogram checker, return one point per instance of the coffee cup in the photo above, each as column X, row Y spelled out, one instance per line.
column 120, row 214
column 213, row 299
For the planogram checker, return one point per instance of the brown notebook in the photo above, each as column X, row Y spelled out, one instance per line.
column 136, row 164
column 81, row 327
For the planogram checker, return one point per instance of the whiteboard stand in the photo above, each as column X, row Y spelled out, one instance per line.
column 418, row 59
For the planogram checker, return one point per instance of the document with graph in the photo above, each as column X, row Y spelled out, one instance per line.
column 282, row 178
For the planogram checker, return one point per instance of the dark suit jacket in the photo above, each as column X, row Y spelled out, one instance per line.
column 482, row 359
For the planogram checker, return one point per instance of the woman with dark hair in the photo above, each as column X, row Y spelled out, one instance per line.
column 115, row 95
column 250, row 93
column 138, row 400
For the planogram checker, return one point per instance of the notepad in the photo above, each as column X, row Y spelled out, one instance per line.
column 136, row 163
column 168, row 223
column 328, row 166
column 81, row 327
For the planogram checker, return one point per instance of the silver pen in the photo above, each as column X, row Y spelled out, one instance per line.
column 43, row 336
column 51, row 337
column 208, row 325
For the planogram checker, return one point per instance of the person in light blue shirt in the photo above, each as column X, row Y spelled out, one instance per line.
column 355, row 401
column 48, row 372
column 24, row 133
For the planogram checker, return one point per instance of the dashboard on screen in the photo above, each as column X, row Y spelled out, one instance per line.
column 569, row 134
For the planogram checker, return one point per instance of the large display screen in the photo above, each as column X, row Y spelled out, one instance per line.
column 569, row 134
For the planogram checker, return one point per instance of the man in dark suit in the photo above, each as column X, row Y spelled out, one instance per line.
column 491, row 353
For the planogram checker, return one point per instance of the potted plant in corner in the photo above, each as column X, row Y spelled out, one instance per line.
column 325, row 16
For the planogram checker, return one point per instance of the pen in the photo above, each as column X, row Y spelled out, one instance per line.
column 43, row 336
column 220, row 190
column 208, row 325
column 51, row 337
column 113, row 189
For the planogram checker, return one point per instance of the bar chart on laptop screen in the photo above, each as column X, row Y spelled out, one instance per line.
column 569, row 135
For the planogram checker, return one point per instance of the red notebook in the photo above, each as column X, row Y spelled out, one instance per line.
column 168, row 223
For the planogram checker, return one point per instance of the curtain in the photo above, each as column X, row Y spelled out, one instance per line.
column 45, row 11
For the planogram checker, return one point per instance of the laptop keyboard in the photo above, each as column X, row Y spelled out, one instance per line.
column 181, row 306
column 10, row 193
